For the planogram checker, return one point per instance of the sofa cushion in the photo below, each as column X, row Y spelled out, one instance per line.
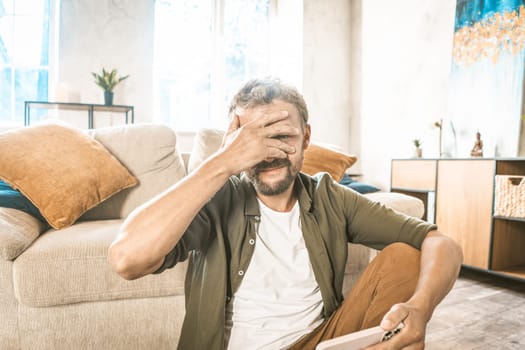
column 71, row 265
column 322, row 159
column 18, row 230
column 61, row 170
column 205, row 143
column 149, row 151
column 400, row 202
column 356, row 262
column 9, row 331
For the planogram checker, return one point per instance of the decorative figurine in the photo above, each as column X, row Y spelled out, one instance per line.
column 439, row 125
column 477, row 150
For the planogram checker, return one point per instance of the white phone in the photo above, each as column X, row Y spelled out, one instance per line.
column 359, row 340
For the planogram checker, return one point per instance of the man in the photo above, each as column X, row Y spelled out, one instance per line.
column 269, row 246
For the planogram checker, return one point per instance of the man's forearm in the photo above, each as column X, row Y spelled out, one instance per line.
column 153, row 229
column 441, row 260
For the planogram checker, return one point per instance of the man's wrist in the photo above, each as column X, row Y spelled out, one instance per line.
column 423, row 303
column 219, row 165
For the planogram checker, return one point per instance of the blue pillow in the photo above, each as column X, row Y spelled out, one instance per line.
column 11, row 198
column 358, row 186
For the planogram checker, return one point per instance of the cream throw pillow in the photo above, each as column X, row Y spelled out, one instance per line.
column 205, row 143
column 61, row 170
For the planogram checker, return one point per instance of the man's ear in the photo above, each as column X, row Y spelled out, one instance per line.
column 307, row 134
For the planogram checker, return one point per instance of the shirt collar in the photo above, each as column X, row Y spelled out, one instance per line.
column 251, row 207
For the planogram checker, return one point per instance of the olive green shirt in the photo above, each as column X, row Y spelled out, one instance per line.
column 222, row 238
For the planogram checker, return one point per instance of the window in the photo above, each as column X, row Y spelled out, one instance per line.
column 204, row 51
column 24, row 46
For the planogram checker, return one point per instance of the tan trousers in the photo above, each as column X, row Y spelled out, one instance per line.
column 389, row 279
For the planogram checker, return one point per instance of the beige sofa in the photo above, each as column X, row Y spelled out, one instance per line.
column 61, row 293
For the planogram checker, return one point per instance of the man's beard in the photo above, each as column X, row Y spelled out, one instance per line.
column 267, row 189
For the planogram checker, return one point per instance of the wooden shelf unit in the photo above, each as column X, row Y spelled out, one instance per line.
column 416, row 178
column 508, row 246
column 508, row 241
column 464, row 207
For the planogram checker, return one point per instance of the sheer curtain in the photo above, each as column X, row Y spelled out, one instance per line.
column 24, row 56
column 205, row 50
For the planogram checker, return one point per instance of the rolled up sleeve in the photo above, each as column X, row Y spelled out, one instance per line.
column 375, row 225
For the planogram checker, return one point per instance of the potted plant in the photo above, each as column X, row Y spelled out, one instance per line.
column 107, row 81
column 418, row 152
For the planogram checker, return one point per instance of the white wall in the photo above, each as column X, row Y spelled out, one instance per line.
column 356, row 82
column 327, row 70
column 110, row 34
column 375, row 77
column 406, row 57
column 521, row 150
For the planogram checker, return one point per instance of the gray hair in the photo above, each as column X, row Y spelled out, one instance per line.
column 263, row 91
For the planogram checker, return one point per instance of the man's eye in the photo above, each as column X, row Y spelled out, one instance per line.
column 281, row 137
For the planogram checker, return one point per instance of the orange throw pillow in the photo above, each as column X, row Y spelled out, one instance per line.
column 321, row 159
column 61, row 170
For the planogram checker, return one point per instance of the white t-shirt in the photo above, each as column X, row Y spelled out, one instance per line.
column 279, row 299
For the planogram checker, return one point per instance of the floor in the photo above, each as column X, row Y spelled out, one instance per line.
column 481, row 312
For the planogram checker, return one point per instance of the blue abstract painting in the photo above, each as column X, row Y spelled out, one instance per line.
column 486, row 79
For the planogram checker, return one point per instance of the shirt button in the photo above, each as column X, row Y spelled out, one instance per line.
column 252, row 241
column 241, row 272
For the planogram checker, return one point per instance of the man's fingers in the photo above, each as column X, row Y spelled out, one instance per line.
column 273, row 153
column 279, row 129
column 235, row 124
column 393, row 317
column 273, row 124
column 398, row 341
column 267, row 119
column 283, row 146
column 411, row 336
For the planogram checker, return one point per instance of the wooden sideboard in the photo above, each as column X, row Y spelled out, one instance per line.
column 460, row 194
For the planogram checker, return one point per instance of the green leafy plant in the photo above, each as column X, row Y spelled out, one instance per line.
column 417, row 142
column 108, row 79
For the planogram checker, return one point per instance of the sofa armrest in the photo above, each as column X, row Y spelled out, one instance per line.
column 400, row 202
column 17, row 231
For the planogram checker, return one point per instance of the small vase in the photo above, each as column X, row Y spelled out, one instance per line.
column 108, row 98
column 418, row 152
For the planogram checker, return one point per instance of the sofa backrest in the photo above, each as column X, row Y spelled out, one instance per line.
column 149, row 152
